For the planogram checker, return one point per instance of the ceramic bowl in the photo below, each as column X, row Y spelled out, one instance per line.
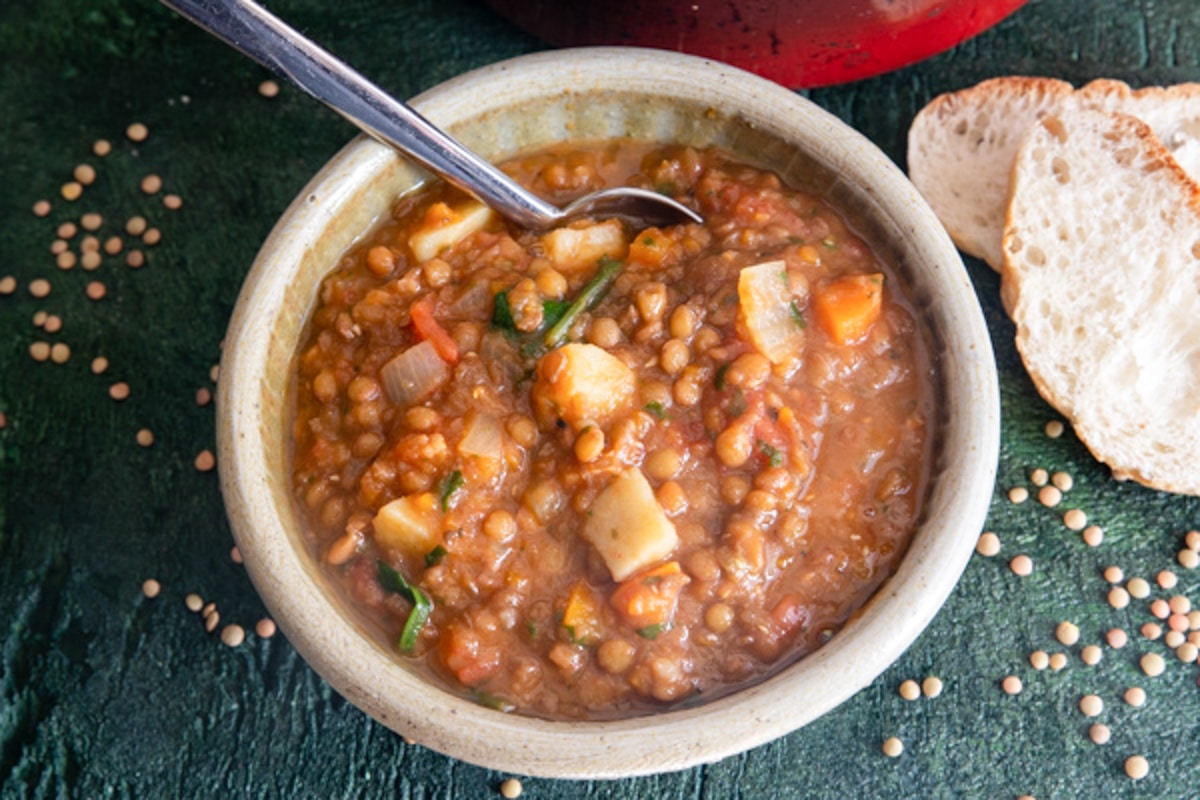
column 502, row 110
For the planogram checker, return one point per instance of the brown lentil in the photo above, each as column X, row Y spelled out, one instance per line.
column 8, row 285
column 268, row 89
column 135, row 259
column 172, row 202
column 145, row 437
column 99, row 365
column 113, row 245
column 151, row 237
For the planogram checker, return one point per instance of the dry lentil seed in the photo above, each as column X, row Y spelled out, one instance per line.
column 1193, row 617
column 265, row 628
column 1137, row 767
column 932, row 686
column 135, row 259
column 1191, row 540
column 1039, row 477
column 40, row 351
column 211, row 620
column 90, row 260
column 1058, row 661
column 1160, row 609
column 1179, row 604
column 1062, row 481
column 99, row 365
column 235, row 555
column 1090, row 705
column 145, row 437
column 1138, row 588
column 1188, row 558
column 893, row 747
column 1075, row 519
column 151, row 237
column 1187, row 652
column 119, row 391
column 113, row 245
column 8, row 285
column 1021, row 566
column 1174, row 639
column 1151, row 631
column 1054, row 428
column 1039, row 659
column 137, row 132
column 66, row 260
column 39, row 318
column 59, row 246
column 135, row 225
column 101, row 147
column 233, row 635
column 1012, row 685
column 1166, row 579
column 151, row 588
column 1114, row 574
column 268, row 89
column 91, row 221
column 172, row 202
column 85, row 174
column 194, row 602
column 214, row 372
column 1093, row 535
column 205, row 461
column 53, row 323
column 988, row 544
column 71, row 191
column 39, row 288
column 1091, row 654
column 1099, row 733
column 1152, row 664
column 1049, row 496
column 1179, row 623
column 910, row 690
column 682, row 322
column 1018, row 495
column 96, row 290
column 151, row 184
column 60, row 353
column 67, row 230
column 3, row 420
column 1135, row 696
column 1116, row 638
column 1118, row 598
column 1067, row 632
column 674, row 356
column 510, row 788
column 41, row 208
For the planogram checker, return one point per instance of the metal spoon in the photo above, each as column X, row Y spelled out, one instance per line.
column 257, row 33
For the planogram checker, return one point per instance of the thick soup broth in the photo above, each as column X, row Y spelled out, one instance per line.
column 598, row 471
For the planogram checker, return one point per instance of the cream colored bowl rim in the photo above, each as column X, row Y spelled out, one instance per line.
column 357, row 667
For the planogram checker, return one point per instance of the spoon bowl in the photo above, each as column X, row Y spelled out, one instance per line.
column 255, row 32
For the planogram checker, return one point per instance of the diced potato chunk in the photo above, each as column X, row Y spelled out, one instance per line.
column 578, row 248
column 627, row 526
column 768, row 314
column 444, row 226
column 581, row 384
column 411, row 524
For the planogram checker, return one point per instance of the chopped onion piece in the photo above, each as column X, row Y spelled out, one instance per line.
column 482, row 437
column 414, row 374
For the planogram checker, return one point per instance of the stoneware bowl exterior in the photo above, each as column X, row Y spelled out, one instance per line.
column 503, row 110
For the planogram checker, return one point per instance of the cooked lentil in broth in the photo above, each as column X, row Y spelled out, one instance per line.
column 593, row 472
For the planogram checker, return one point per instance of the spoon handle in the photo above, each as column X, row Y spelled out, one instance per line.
column 255, row 32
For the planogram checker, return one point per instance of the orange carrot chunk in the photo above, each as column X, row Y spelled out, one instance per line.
column 581, row 617
column 431, row 330
column 647, row 601
column 846, row 307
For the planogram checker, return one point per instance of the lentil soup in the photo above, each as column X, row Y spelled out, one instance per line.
column 594, row 472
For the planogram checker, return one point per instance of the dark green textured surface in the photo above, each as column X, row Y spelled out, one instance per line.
column 104, row 693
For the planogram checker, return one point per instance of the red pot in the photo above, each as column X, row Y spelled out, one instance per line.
column 799, row 43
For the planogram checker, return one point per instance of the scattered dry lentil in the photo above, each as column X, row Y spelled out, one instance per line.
column 99, row 365
column 1174, row 639
column 909, row 689
column 145, row 437
column 268, row 88
column 135, row 259
column 151, row 237
column 1118, row 598
column 988, row 544
column 1018, row 494
column 1191, row 540
column 113, row 245
column 194, row 602
column 1179, row 604
column 1067, row 632
column 1093, row 535
column 203, row 396
column 52, row 324
column 1099, row 733
column 1058, row 661
column 205, row 461
column 1187, row 652
column 1054, row 428
column 1090, row 705
column 1049, row 496
column 90, row 260
column 135, row 225
column 235, row 555
column 1012, row 685
column 1135, row 696
column 91, row 221
column 39, row 351
column 511, row 788
column 1152, row 664
column 102, row 147
column 1160, row 609
column 1075, row 519
column 893, row 747
column 60, row 353
column 67, row 230
column 1091, row 654
column 1021, row 566
column 8, row 285
column 265, row 628
column 173, row 202
column 1063, row 481
column 85, row 174
column 39, row 288
column 1188, row 558
column 137, row 132
column 66, row 260
column 151, row 588
column 932, row 686
column 1039, row 660
column 96, row 290
column 41, row 208
column 151, row 184
column 59, row 246
column 1116, row 638
column 39, row 318
column 233, row 635
column 119, row 391
column 71, row 191
column 211, row 620
column 1039, row 477
column 1138, row 588
column 1137, row 767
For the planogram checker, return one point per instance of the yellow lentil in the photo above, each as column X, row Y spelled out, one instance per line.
column 102, row 147
column 113, row 245
column 8, row 285
column 1191, row 540
column 66, row 260
column 1118, row 598
column 1062, row 481
column 151, row 237
column 1188, row 558
column 268, row 89
column 151, row 184
column 85, row 174
column 1039, row 477
column 60, row 353
column 1174, row 639
column 1058, row 661
column 194, row 602
column 1138, row 588
column 40, row 351
column 71, row 191
column 90, row 260
column 1067, row 633
column 173, row 202
column 99, row 365
column 1187, row 652
column 988, row 544
column 135, row 225
column 39, row 288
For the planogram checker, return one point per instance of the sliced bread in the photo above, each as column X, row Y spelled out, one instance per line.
column 1101, row 274
column 962, row 144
